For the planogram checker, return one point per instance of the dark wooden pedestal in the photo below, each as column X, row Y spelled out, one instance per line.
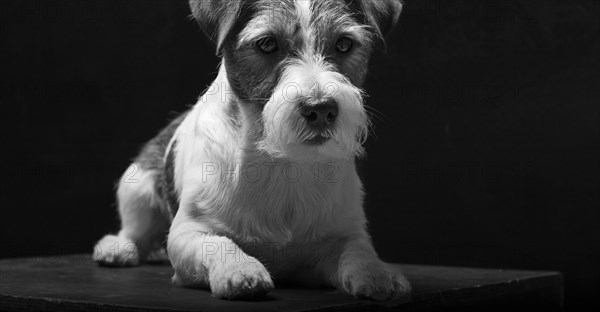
column 75, row 283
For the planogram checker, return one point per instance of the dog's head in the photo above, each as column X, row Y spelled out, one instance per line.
column 297, row 66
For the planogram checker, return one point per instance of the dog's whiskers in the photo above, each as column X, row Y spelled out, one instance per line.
column 376, row 113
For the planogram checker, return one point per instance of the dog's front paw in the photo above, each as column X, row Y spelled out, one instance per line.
column 240, row 280
column 115, row 251
column 374, row 280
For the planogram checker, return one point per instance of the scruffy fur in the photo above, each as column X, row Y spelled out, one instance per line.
column 242, row 186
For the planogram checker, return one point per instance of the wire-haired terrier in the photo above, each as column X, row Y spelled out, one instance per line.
column 257, row 181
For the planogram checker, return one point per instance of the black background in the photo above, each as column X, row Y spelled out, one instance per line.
column 485, row 152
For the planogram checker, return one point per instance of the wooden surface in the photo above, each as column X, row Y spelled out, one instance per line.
column 75, row 283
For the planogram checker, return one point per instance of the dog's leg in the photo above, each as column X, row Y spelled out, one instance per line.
column 143, row 223
column 204, row 260
column 353, row 266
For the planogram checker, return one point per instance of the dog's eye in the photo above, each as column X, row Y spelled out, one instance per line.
column 267, row 44
column 343, row 45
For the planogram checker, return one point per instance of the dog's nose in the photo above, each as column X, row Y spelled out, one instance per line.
column 320, row 115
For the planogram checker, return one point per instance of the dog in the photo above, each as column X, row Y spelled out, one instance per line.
column 257, row 182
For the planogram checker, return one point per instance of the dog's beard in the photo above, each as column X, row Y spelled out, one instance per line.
column 286, row 133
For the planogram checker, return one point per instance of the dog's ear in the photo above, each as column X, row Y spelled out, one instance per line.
column 216, row 18
column 382, row 15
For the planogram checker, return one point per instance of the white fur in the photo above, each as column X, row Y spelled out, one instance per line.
column 304, row 16
column 144, row 220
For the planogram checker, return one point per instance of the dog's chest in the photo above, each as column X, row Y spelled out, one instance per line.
column 281, row 202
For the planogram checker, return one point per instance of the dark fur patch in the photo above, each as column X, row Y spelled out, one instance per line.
column 329, row 20
column 381, row 15
column 217, row 17
column 252, row 74
column 166, row 182
column 152, row 157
